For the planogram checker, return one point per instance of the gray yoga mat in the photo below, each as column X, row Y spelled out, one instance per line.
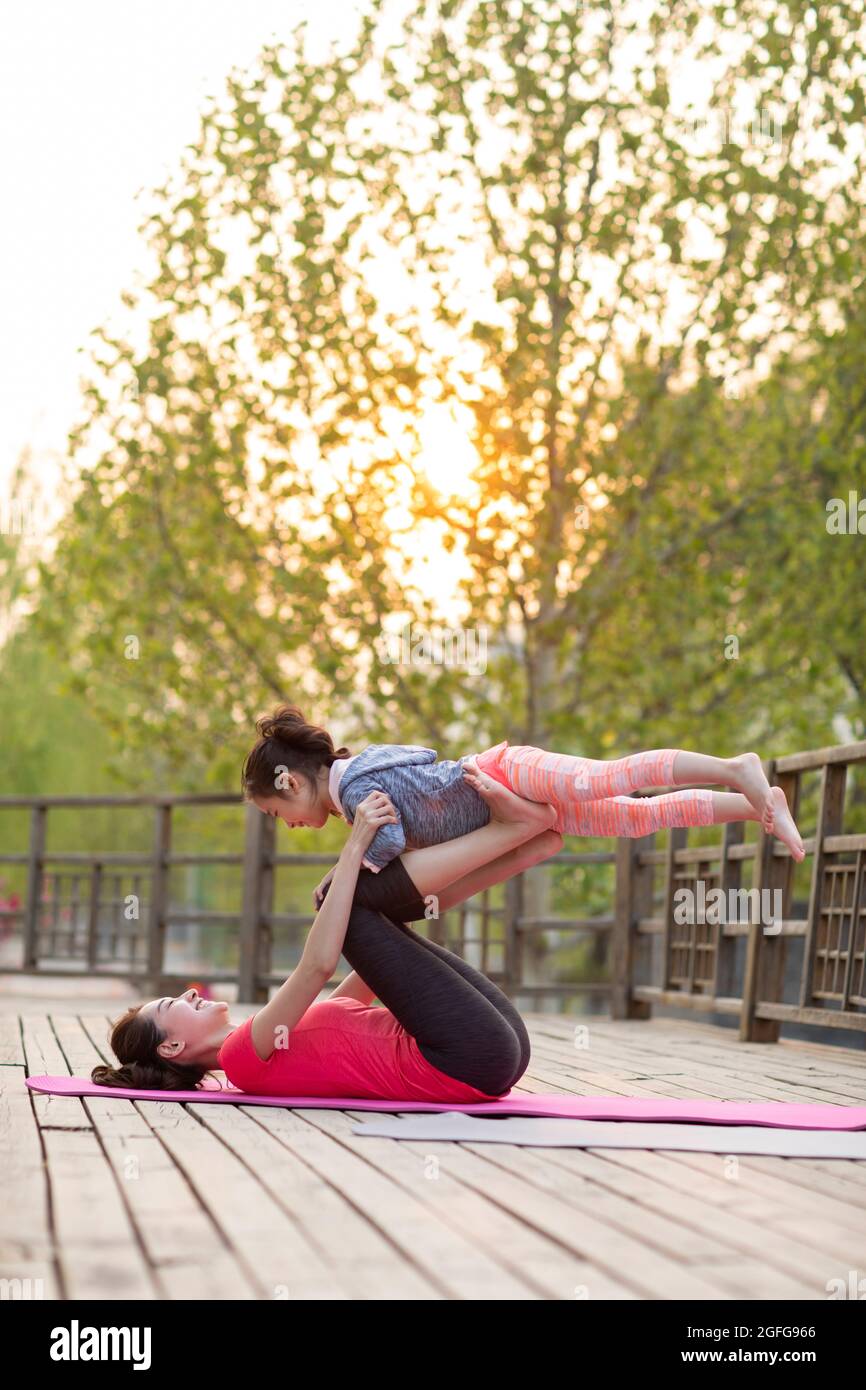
column 621, row 1134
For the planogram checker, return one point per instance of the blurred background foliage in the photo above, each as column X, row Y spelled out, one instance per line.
column 517, row 226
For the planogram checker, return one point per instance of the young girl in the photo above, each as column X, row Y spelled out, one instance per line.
column 445, row 1033
column 295, row 773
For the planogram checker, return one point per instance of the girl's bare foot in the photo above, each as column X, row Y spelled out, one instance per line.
column 506, row 805
column 748, row 777
column 784, row 826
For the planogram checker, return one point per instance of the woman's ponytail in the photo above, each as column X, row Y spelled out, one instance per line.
column 134, row 1041
column 149, row 1076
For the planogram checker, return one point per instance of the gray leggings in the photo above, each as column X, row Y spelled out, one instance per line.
column 462, row 1022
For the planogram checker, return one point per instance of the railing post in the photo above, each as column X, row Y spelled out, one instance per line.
column 513, row 908
column 677, row 839
column 725, row 966
column 158, row 895
column 93, row 914
column 764, row 980
column 258, row 874
column 34, row 886
column 830, row 816
column 629, row 880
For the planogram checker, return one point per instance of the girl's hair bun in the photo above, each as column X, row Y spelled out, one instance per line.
column 286, row 740
column 285, row 724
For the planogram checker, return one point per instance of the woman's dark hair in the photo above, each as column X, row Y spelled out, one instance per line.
column 134, row 1040
column 286, row 741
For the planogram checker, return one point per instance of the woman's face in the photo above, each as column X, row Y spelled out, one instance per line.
column 194, row 1028
column 299, row 804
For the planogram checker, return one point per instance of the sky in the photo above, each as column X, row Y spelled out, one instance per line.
column 97, row 100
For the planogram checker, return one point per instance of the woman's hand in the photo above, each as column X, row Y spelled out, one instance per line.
column 374, row 811
column 506, row 805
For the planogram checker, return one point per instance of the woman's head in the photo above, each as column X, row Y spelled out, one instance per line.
column 167, row 1044
column 286, row 773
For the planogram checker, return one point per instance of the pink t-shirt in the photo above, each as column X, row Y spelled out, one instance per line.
column 341, row 1047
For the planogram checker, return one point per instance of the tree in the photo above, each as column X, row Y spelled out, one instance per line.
column 581, row 262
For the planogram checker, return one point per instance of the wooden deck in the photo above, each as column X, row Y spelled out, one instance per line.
column 112, row 1199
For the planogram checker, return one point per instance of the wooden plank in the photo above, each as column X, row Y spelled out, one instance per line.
column 784, row 1263
column 240, row 1194
column 225, row 1202
column 507, row 1178
column 181, row 1242
column 416, row 1223
column 820, row 1018
column 97, row 1249
column 196, row 1196
column 26, row 1237
column 822, row 757
column 678, row 999
column 11, row 1044
column 44, row 1057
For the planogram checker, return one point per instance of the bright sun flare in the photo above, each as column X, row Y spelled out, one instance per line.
column 447, row 456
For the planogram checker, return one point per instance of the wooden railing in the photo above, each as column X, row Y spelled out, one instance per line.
column 696, row 962
column 109, row 913
column 76, row 918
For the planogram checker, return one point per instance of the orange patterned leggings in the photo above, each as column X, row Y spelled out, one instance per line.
column 590, row 795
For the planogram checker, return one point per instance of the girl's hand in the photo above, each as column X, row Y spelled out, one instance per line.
column 319, row 890
column 374, row 811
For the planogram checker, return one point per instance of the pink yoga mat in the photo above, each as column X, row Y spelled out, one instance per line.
column 781, row 1114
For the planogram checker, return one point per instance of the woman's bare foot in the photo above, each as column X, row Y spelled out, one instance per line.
column 784, row 825
column 748, row 777
column 506, row 805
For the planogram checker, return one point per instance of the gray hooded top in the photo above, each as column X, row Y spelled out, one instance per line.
column 432, row 799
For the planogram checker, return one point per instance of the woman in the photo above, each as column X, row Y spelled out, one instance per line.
column 445, row 1033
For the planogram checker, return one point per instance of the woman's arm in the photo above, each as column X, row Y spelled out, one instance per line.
column 353, row 987
column 324, row 943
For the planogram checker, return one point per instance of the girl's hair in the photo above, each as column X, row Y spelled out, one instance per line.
column 134, row 1040
column 286, row 741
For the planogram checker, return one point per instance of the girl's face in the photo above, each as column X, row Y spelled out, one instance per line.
column 297, row 803
column 194, row 1028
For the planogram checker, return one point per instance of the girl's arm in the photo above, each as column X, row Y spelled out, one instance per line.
column 326, row 936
